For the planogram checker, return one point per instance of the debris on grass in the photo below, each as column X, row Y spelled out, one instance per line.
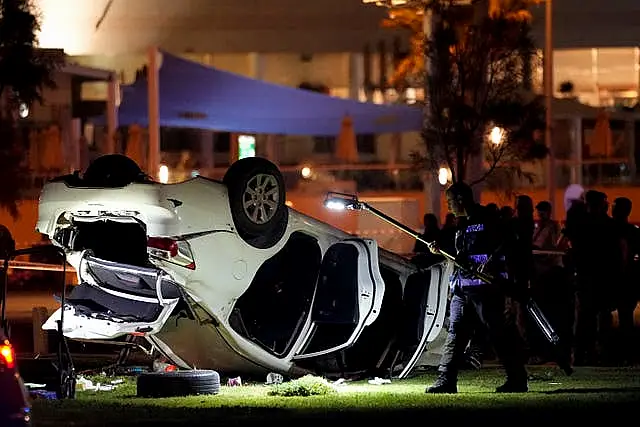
column 379, row 381
column 308, row 385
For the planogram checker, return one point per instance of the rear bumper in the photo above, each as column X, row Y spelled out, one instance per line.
column 144, row 202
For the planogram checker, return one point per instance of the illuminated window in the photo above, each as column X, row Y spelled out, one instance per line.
column 246, row 146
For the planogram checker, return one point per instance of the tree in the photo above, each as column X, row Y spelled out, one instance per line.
column 24, row 73
column 475, row 86
column 410, row 17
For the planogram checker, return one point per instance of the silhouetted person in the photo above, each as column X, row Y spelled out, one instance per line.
column 506, row 213
column 521, row 258
column 493, row 209
column 448, row 234
column 627, row 297
column 431, row 233
column 599, row 261
column 550, row 285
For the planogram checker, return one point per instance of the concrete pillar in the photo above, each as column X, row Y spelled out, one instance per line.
column 75, row 135
column 112, row 114
column 576, row 151
column 256, row 66
column 356, row 75
column 631, row 135
column 207, row 160
column 272, row 149
column 395, row 149
column 153, row 87
column 233, row 148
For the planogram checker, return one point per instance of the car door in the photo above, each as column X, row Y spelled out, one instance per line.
column 425, row 305
column 347, row 299
column 114, row 300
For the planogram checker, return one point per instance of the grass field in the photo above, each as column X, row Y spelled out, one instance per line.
column 589, row 395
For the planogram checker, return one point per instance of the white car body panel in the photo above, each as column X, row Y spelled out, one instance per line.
column 370, row 290
column 226, row 267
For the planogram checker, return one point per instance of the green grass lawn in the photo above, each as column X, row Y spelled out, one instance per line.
column 590, row 394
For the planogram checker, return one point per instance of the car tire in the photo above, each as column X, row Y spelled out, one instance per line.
column 258, row 179
column 178, row 383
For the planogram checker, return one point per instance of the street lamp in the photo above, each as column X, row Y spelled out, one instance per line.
column 444, row 176
column 306, row 172
column 496, row 136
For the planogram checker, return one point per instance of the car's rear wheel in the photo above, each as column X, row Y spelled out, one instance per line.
column 178, row 383
column 257, row 201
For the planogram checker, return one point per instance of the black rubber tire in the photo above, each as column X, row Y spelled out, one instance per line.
column 112, row 171
column 178, row 383
column 239, row 175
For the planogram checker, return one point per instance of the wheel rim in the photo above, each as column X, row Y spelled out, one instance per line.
column 261, row 197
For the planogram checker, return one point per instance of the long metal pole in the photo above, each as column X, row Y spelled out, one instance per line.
column 548, row 92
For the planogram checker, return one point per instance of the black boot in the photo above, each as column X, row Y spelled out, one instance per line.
column 444, row 384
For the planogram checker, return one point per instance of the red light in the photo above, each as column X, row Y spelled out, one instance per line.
column 7, row 354
column 164, row 244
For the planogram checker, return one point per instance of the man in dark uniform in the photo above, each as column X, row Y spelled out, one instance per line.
column 479, row 246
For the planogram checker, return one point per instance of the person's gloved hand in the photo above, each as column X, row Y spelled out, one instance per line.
column 434, row 248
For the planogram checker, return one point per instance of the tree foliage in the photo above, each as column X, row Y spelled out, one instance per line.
column 410, row 17
column 476, row 79
column 24, row 73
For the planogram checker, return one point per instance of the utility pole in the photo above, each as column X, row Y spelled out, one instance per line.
column 548, row 92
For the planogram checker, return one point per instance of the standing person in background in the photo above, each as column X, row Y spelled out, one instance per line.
column 599, row 255
column 431, row 233
column 521, row 258
column 550, row 285
column 448, row 234
column 627, row 297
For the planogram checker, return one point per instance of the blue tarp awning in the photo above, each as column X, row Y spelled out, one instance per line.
column 197, row 96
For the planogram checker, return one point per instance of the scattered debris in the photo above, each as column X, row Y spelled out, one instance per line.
column 379, row 381
column 163, row 366
column 274, row 379
column 234, row 382
column 84, row 384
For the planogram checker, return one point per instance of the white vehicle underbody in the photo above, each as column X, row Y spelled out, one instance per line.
column 156, row 262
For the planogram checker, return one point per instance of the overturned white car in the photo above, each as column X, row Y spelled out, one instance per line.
column 225, row 276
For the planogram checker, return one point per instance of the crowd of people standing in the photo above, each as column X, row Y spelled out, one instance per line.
column 584, row 273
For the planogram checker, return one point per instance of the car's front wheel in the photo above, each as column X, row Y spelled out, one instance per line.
column 257, row 200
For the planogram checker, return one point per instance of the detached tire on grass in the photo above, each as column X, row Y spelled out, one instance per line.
column 178, row 383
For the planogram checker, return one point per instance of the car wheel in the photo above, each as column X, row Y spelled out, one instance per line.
column 257, row 201
column 178, row 383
